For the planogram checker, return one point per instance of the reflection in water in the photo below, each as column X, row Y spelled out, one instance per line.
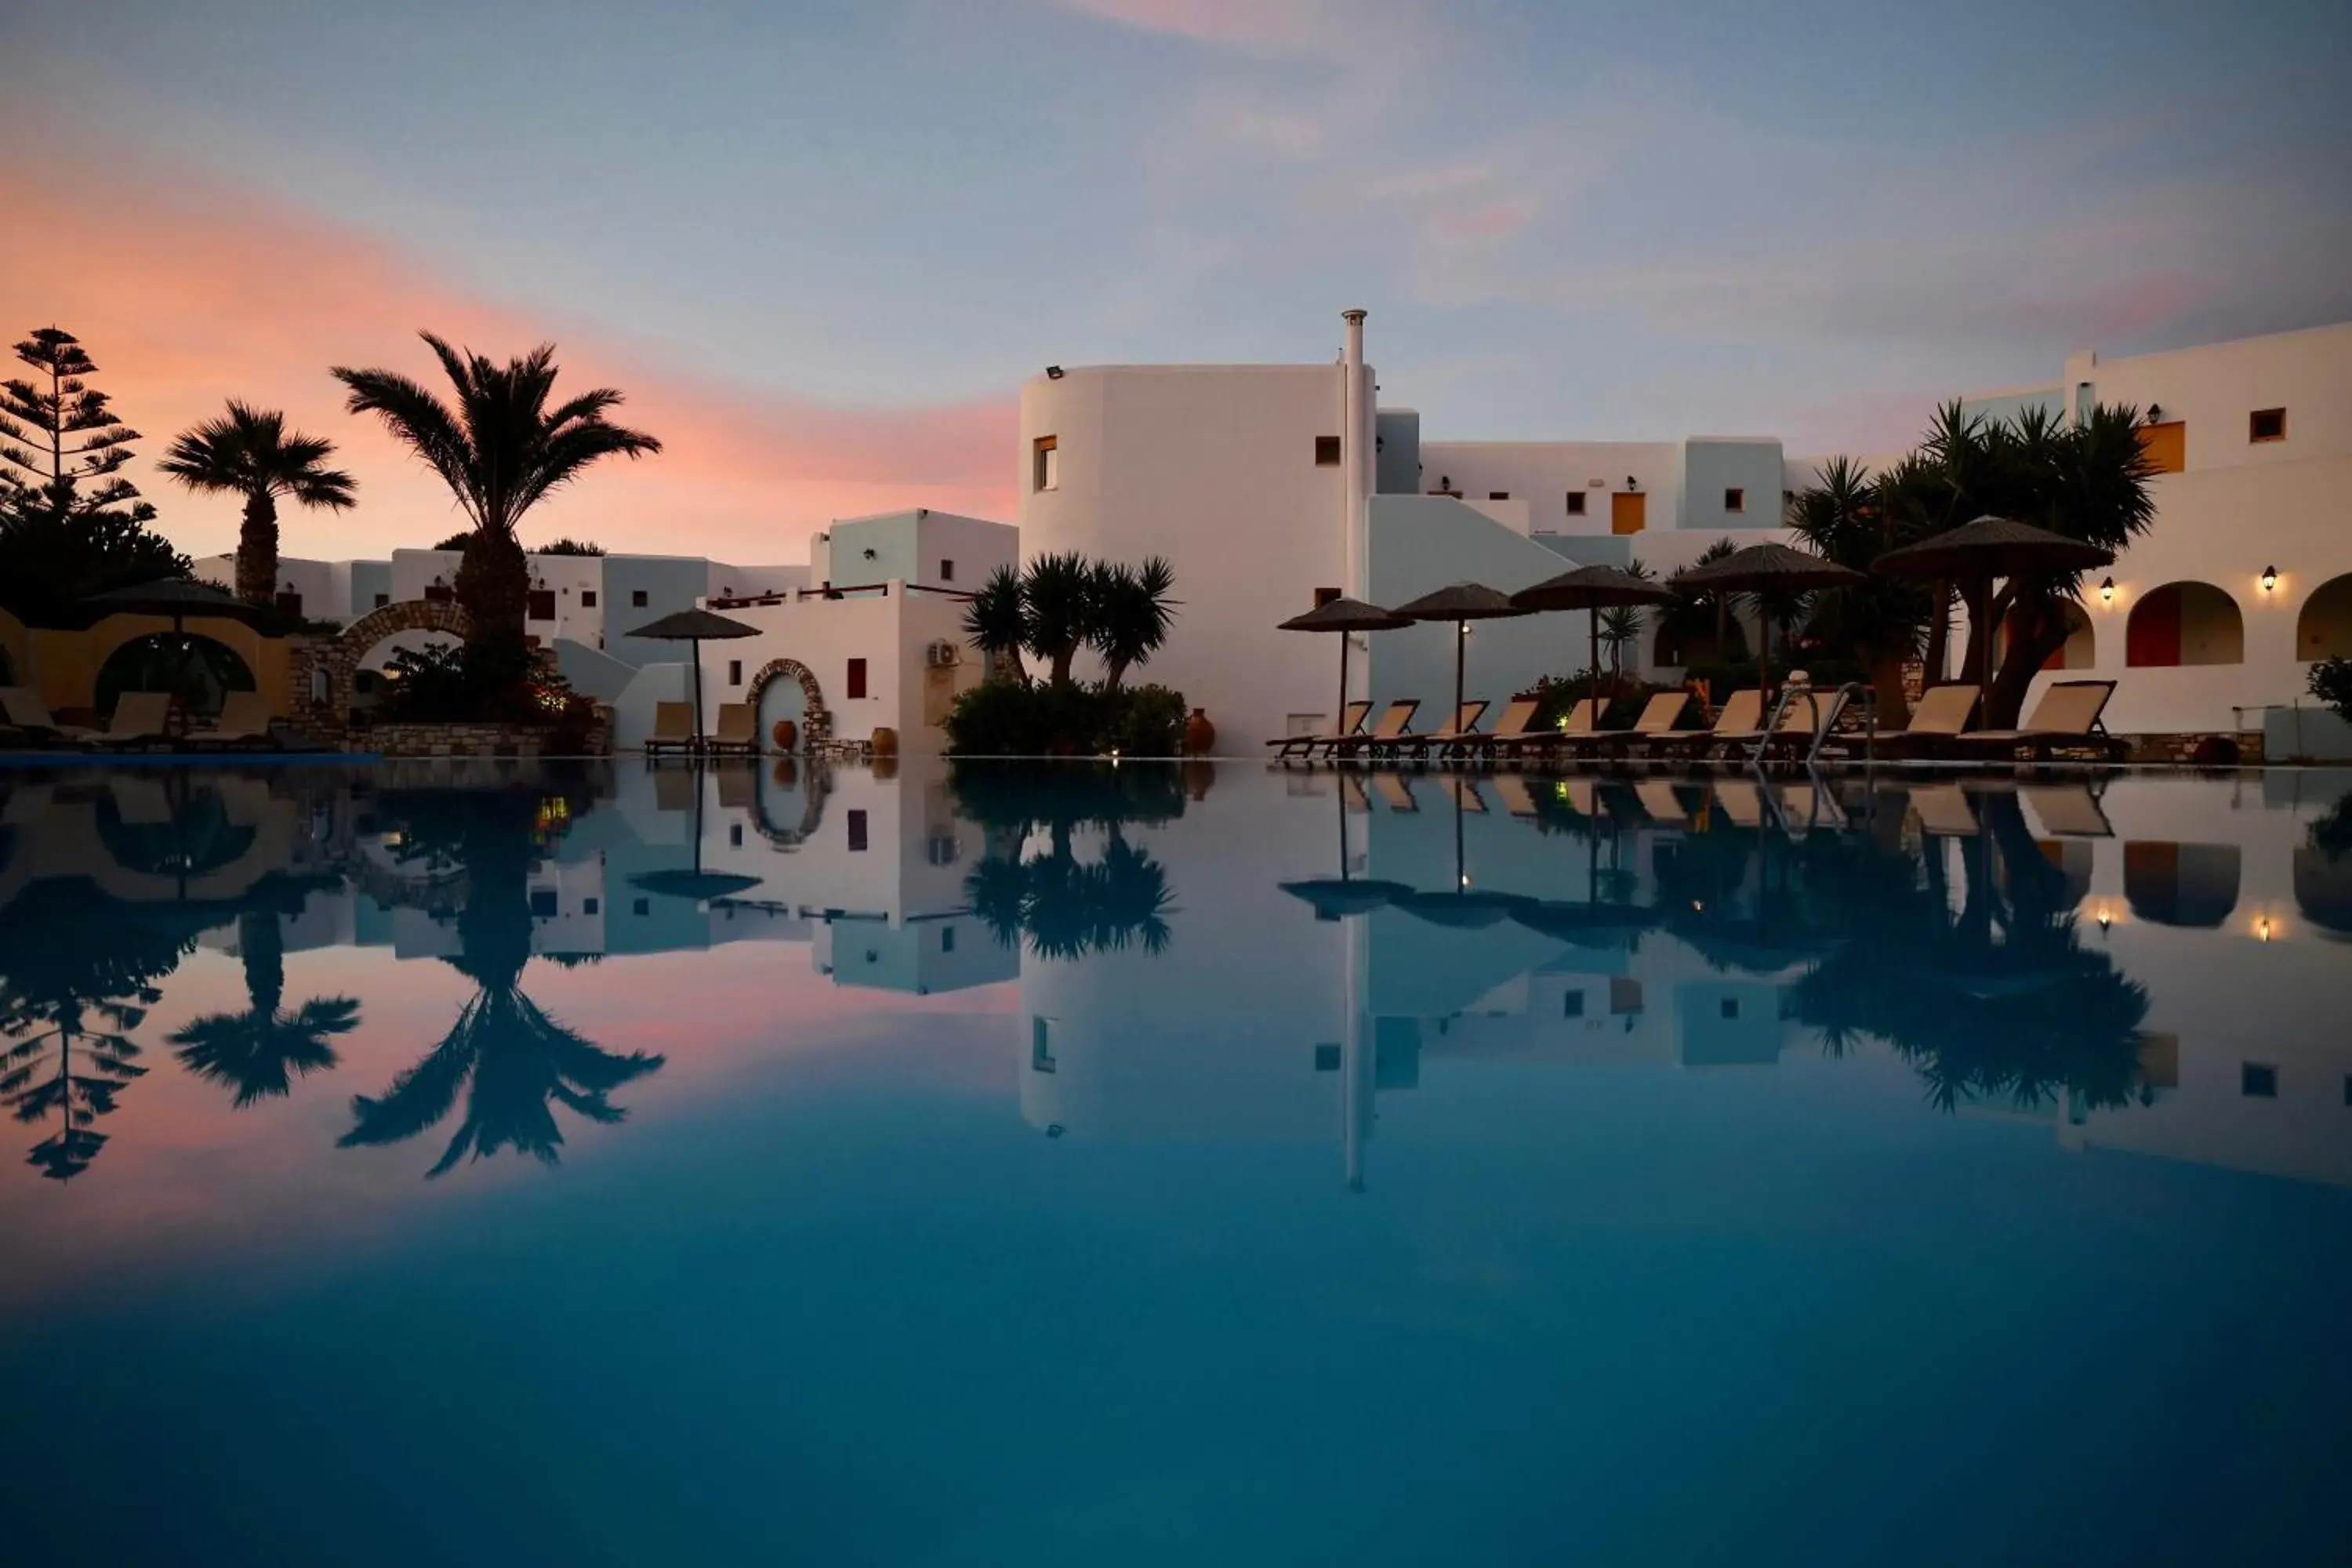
column 513, row 1063
column 256, row 1054
column 1065, row 906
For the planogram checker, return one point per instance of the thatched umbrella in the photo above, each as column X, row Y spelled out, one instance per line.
column 1977, row 553
column 1346, row 618
column 694, row 627
column 1462, row 603
column 1772, row 573
column 1593, row 589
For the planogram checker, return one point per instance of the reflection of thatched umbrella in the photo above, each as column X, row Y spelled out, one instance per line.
column 1591, row 589
column 1461, row 604
column 1772, row 573
column 1457, row 906
column 1976, row 554
column 178, row 598
column 694, row 627
column 695, row 883
column 1591, row 925
column 1346, row 618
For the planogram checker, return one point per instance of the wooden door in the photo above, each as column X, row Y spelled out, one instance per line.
column 2167, row 446
column 1627, row 512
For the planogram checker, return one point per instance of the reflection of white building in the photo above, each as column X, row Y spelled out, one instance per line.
column 1268, row 486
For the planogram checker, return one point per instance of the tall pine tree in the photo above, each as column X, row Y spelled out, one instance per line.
column 70, row 525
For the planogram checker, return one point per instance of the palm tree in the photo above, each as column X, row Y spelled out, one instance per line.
column 257, row 1052
column 993, row 622
column 1059, row 606
column 249, row 452
column 1132, row 615
column 500, row 448
column 1882, row 620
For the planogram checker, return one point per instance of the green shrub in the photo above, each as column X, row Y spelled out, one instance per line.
column 452, row 684
column 2331, row 682
column 1016, row 718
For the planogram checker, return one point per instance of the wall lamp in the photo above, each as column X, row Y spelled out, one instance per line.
column 2270, row 579
column 2156, row 413
column 1052, row 373
column 2107, row 592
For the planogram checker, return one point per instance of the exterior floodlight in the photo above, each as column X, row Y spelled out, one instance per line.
column 2108, row 591
column 2270, row 579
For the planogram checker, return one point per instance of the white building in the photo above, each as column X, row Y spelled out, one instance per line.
column 1268, row 488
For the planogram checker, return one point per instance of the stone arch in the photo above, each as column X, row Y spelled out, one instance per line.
column 321, row 697
column 816, row 721
column 2184, row 622
column 2323, row 627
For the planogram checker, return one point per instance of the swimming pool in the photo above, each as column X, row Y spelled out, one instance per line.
column 447, row 1162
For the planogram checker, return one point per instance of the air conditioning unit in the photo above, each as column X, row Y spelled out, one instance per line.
column 943, row 655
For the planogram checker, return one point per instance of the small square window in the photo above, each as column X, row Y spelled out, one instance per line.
column 1572, row 1005
column 1041, row 1045
column 542, row 903
column 1498, row 495
column 587, row 599
column 1325, row 596
column 637, row 598
column 2257, row 1080
column 591, row 906
column 640, row 906
column 382, row 600
column 947, row 939
column 1327, row 451
column 1576, row 503
column 946, row 569
column 1045, row 464
column 1734, row 499
column 1326, row 1058
column 856, row 681
column 734, row 672
column 1730, row 1007
column 541, row 605
column 856, row 832
column 2266, row 424
column 735, row 835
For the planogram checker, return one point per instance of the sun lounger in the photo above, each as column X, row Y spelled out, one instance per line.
column 23, row 708
column 1655, row 725
column 737, row 730
column 1515, row 729
column 1394, row 793
column 140, row 800
column 1578, row 725
column 1658, row 798
column 1741, row 801
column 243, row 720
column 1393, row 722
column 1806, row 719
column 1464, row 791
column 1352, row 794
column 140, row 718
column 1737, row 720
column 1944, row 810
column 1943, row 712
column 1446, row 736
column 673, row 729
column 739, row 786
column 1516, row 797
column 2066, row 719
column 1352, row 724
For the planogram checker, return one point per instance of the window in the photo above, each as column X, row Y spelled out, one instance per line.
column 947, row 939
column 1734, row 499
column 2257, row 1080
column 1572, row 1005
column 542, row 903
column 1327, row 451
column 637, row 598
column 858, row 832
column 735, row 835
column 382, row 600
column 1730, row 1007
column 1325, row 596
column 1624, row 996
column 1045, row 464
column 640, row 906
column 734, row 672
column 2266, row 424
column 590, row 906
column 587, row 599
column 1576, row 503
column 540, row 605
column 946, row 569
column 1498, row 495
column 1326, row 1058
column 856, row 677
column 1041, row 1045
column 439, row 593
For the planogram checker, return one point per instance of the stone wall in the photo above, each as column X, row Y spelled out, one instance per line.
column 2181, row 749
column 474, row 739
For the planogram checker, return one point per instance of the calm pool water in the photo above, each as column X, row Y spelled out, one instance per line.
column 432, row 1164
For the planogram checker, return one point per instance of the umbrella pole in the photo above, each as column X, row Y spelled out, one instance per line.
column 1592, row 652
column 1339, row 714
column 1461, row 640
column 1984, row 657
column 694, row 651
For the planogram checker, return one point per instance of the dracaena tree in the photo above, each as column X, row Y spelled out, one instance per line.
column 1881, row 620
column 995, row 624
column 1132, row 613
column 249, row 452
column 502, row 443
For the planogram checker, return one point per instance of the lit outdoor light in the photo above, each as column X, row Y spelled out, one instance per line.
column 2107, row 592
column 2270, row 579
column 2262, row 928
column 2106, row 917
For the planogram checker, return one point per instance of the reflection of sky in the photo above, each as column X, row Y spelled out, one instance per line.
column 829, row 1285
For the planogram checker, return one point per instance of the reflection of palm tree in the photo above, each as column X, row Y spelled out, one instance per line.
column 512, row 1061
column 258, row 1052
column 1067, row 908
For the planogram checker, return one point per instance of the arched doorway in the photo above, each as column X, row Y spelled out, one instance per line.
column 2323, row 628
column 2184, row 622
column 787, row 689
column 2081, row 650
column 197, row 671
column 324, row 685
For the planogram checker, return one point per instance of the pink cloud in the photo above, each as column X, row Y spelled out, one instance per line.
column 1496, row 220
column 1254, row 24
column 187, row 294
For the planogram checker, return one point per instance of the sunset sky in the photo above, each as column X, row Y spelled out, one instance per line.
column 820, row 244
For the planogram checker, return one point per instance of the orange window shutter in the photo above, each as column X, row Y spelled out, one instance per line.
column 2167, row 446
column 1627, row 512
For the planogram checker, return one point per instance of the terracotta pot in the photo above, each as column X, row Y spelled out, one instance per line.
column 784, row 733
column 1200, row 736
column 886, row 741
